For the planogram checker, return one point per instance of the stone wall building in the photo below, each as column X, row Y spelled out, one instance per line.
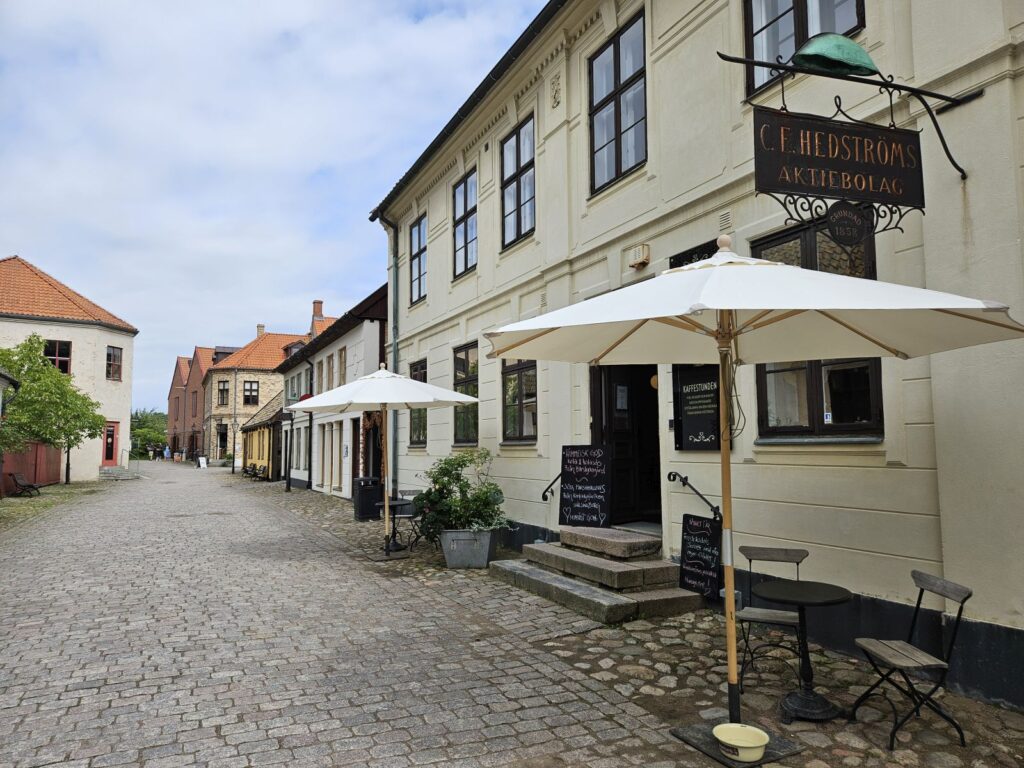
column 611, row 142
column 236, row 387
column 85, row 341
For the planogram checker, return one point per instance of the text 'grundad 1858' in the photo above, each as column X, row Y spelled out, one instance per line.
column 811, row 155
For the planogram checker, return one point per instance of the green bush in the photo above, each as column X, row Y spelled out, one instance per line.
column 461, row 495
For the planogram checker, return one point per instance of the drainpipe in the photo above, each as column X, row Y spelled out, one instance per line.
column 288, row 440
column 309, row 450
column 394, row 346
column 234, row 419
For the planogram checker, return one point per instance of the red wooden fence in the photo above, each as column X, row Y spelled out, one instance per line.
column 40, row 464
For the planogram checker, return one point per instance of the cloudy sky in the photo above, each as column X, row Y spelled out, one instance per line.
column 179, row 162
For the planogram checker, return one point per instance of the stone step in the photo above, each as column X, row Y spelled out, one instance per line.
column 620, row 575
column 591, row 601
column 611, row 542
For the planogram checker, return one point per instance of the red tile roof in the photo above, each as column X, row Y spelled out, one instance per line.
column 264, row 352
column 321, row 324
column 203, row 357
column 27, row 291
column 184, row 363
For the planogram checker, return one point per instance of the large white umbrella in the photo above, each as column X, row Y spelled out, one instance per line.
column 728, row 309
column 382, row 390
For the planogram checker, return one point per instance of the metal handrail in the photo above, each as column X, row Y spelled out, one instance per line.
column 685, row 480
column 547, row 493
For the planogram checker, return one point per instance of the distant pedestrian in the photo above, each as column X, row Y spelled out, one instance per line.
column 151, row 453
column 167, row 452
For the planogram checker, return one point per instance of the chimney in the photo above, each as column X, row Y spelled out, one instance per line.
column 318, row 309
column 260, row 330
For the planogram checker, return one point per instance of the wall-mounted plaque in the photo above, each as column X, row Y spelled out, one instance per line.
column 695, row 405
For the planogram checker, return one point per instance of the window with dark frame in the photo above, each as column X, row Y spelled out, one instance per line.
column 250, row 393
column 618, row 106
column 195, row 401
column 518, row 184
column 777, row 28
column 418, row 260
column 222, row 392
column 467, row 381
column 519, row 400
column 464, row 224
column 418, row 416
column 114, row 363
column 58, row 353
column 819, row 398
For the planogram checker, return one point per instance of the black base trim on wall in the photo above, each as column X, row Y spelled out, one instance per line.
column 987, row 659
column 525, row 533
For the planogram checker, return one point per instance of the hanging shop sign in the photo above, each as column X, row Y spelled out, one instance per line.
column 818, row 156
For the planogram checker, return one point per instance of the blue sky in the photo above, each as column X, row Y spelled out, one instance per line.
column 168, row 159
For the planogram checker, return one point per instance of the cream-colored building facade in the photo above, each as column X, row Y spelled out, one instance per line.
column 92, row 345
column 934, row 484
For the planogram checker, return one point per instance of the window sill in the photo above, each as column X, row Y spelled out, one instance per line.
column 528, row 237
column 821, row 440
column 461, row 275
column 418, row 303
column 632, row 173
column 465, row 446
column 518, row 446
column 417, row 447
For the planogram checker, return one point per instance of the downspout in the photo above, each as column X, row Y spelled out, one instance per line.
column 309, row 450
column 289, row 438
column 394, row 346
column 234, row 420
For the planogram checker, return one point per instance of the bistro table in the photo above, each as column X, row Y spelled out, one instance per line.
column 804, row 704
column 399, row 508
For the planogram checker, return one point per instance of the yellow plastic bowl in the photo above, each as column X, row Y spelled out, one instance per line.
column 743, row 743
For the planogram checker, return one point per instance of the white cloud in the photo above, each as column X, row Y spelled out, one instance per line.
column 178, row 162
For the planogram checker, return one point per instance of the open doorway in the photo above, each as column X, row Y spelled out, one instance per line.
column 624, row 417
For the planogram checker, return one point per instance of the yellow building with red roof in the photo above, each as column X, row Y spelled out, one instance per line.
column 89, row 343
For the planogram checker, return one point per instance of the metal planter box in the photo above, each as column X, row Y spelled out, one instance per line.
column 468, row 549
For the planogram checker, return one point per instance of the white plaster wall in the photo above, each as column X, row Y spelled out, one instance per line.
column 89, row 373
column 941, row 491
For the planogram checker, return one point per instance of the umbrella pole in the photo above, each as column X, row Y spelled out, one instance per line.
column 725, row 338
column 386, row 479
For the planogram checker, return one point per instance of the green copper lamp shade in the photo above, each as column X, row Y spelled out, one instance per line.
column 832, row 54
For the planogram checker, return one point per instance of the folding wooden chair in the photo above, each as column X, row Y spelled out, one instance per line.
column 750, row 615
column 898, row 658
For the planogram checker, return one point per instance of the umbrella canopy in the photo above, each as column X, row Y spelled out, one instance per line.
column 378, row 389
column 729, row 309
column 780, row 312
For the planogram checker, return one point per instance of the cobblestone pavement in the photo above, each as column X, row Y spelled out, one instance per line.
column 196, row 618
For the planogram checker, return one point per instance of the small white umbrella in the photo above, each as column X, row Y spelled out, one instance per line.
column 382, row 390
column 730, row 308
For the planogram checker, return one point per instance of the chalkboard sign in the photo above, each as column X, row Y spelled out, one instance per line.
column 584, row 490
column 702, row 555
column 695, row 396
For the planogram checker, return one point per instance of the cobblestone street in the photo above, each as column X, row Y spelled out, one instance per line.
column 197, row 618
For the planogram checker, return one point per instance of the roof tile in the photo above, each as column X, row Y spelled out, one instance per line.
column 265, row 352
column 27, row 291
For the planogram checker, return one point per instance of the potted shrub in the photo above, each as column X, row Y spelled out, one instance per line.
column 461, row 508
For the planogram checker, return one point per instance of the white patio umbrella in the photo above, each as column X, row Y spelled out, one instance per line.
column 728, row 309
column 382, row 390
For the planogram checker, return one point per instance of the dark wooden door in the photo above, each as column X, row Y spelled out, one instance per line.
column 624, row 417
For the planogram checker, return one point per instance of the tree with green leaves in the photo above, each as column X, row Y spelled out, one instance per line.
column 149, row 429
column 49, row 408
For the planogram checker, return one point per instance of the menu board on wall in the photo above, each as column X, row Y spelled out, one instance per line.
column 695, row 402
column 583, row 498
column 702, row 555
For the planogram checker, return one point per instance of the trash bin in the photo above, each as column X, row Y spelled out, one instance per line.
column 368, row 491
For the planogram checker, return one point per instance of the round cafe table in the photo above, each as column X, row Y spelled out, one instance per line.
column 804, row 704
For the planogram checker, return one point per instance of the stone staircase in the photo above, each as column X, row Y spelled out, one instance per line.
column 117, row 473
column 606, row 574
